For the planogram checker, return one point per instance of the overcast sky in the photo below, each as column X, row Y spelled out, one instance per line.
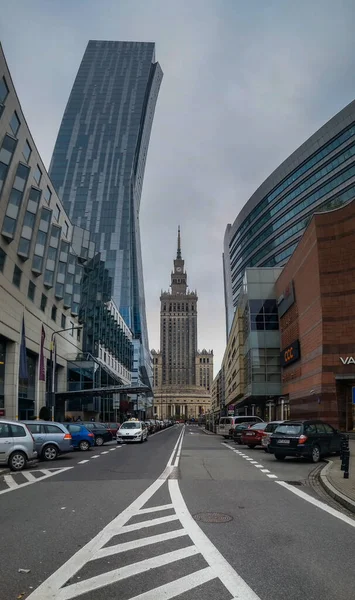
column 245, row 83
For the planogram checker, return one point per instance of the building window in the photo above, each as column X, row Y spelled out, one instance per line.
column 47, row 195
column 63, row 321
column 27, row 151
column 37, row 176
column 54, row 313
column 16, row 278
column 78, row 334
column 72, row 328
column 66, row 229
column 2, row 259
column 6, row 153
column 15, row 123
column 4, row 90
column 15, row 201
column 31, row 291
column 43, row 302
column 56, row 212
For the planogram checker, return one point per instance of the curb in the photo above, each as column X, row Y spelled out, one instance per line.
column 208, row 432
column 332, row 491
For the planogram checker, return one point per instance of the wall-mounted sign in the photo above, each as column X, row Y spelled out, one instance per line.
column 290, row 354
column 287, row 298
column 348, row 360
column 2, row 412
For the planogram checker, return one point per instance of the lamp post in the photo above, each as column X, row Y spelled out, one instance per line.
column 52, row 370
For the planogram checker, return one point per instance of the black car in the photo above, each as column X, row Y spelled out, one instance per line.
column 236, row 433
column 101, row 433
column 309, row 438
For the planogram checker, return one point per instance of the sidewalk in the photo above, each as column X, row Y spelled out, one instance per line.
column 332, row 479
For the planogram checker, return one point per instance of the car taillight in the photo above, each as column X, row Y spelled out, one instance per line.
column 91, row 435
column 67, row 436
column 302, row 439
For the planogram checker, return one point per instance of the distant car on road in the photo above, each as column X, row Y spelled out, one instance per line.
column 101, row 433
column 237, row 432
column 17, row 445
column 132, row 431
column 269, row 430
column 252, row 436
column 226, row 425
column 51, row 438
column 306, row 438
column 83, row 439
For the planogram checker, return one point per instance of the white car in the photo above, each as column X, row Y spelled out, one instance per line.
column 132, row 431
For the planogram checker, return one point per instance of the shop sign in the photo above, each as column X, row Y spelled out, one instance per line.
column 2, row 412
column 348, row 360
column 287, row 298
column 290, row 354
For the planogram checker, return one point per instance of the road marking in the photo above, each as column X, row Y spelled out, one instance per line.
column 29, row 476
column 95, row 456
column 152, row 539
column 13, row 485
column 144, row 511
column 9, row 480
column 222, row 569
column 82, row 462
column 150, row 523
column 259, row 466
column 112, row 449
column 271, row 476
column 106, row 452
column 317, row 503
column 179, row 586
column 265, row 471
column 253, row 462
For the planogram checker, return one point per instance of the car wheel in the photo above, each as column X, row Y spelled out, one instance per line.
column 17, row 461
column 84, row 445
column 99, row 441
column 279, row 456
column 49, row 452
column 315, row 454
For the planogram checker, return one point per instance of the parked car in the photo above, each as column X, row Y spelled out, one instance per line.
column 51, row 438
column 17, row 445
column 226, row 425
column 83, row 439
column 252, row 436
column 269, row 430
column 112, row 427
column 101, row 433
column 236, row 433
column 132, row 431
column 305, row 438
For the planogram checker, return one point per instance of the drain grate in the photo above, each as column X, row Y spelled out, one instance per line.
column 213, row 517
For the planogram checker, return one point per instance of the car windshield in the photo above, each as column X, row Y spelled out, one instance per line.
column 131, row 426
column 259, row 426
column 271, row 427
column 289, row 429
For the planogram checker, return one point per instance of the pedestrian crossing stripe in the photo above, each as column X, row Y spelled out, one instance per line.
column 12, row 484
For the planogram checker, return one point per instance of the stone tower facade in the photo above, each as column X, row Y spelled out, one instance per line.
column 179, row 390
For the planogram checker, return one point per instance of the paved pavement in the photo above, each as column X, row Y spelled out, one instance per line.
column 332, row 478
column 184, row 516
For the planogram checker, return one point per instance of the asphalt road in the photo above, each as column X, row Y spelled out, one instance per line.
column 183, row 516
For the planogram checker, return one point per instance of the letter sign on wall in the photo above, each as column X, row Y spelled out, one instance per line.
column 290, row 354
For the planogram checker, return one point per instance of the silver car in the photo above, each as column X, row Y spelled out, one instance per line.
column 17, row 445
column 132, row 431
column 51, row 438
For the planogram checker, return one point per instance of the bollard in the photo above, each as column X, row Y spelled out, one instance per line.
column 343, row 448
column 346, row 459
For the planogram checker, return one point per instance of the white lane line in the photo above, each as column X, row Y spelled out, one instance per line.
column 47, row 474
column 150, row 523
column 95, row 456
column 29, row 476
column 112, row 449
column 259, row 466
column 144, row 511
column 106, row 452
column 271, row 476
column 265, row 471
column 82, row 462
column 179, row 586
column 94, row 583
column 49, row 589
column 153, row 539
column 222, row 569
column 318, row 503
column 9, row 480
column 254, row 462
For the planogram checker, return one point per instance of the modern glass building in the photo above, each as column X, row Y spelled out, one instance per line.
column 98, row 167
column 318, row 176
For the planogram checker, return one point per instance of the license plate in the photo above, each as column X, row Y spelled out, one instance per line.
column 283, row 442
column 250, row 433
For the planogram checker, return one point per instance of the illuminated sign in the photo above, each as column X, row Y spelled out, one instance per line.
column 290, row 354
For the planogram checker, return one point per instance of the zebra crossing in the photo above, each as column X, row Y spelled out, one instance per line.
column 153, row 550
column 13, row 481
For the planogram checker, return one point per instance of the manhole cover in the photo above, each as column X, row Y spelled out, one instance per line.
column 294, row 482
column 213, row 517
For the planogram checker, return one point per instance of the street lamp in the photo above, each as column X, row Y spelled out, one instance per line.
column 52, row 370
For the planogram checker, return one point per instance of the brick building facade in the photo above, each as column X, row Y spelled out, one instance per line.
column 316, row 292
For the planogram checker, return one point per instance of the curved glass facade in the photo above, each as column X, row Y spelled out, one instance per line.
column 320, row 175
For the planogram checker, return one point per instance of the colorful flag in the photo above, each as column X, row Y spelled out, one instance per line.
column 23, row 374
column 42, row 369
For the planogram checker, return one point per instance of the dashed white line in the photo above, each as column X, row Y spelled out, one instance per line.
column 106, row 452
column 265, row 471
column 271, row 476
column 259, row 466
column 82, row 462
column 112, row 449
column 95, row 456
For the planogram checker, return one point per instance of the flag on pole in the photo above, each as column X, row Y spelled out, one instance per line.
column 23, row 374
column 42, row 369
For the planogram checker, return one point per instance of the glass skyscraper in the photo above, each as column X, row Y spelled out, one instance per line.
column 98, row 166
